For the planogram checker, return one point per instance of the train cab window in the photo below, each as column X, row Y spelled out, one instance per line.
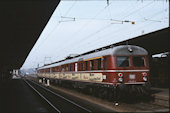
column 105, row 63
column 123, row 61
column 86, row 65
column 138, row 61
column 99, row 62
column 91, row 64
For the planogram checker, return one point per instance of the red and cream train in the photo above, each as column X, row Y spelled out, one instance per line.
column 124, row 65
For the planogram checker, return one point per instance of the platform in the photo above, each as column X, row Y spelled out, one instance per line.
column 16, row 96
column 161, row 96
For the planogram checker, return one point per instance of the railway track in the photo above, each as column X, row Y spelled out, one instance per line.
column 122, row 107
column 57, row 102
column 146, row 106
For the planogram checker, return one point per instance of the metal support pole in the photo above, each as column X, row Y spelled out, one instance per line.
column 115, row 96
column 48, row 82
column 40, row 80
column 43, row 80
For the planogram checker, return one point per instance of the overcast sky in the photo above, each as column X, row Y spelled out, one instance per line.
column 80, row 26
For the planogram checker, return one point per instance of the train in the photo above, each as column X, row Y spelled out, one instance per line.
column 111, row 73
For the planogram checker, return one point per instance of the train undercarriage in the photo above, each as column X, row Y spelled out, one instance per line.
column 115, row 93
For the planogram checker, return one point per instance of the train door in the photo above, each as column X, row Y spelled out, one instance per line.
column 75, row 67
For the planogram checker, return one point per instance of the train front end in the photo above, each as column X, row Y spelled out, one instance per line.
column 131, row 70
column 130, row 65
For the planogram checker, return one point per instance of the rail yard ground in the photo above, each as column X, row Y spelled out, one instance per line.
column 17, row 96
column 160, row 103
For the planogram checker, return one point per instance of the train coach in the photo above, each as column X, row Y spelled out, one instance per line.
column 120, row 69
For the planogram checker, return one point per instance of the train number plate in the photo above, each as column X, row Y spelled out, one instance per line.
column 131, row 76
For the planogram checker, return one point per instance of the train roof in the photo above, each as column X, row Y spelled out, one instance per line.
column 117, row 51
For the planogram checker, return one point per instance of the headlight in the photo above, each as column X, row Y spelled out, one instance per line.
column 120, row 74
column 144, row 74
column 145, row 78
column 120, row 79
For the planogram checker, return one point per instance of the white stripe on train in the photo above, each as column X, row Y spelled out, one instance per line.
column 141, row 70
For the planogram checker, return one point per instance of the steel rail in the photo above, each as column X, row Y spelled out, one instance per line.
column 43, row 97
column 62, row 97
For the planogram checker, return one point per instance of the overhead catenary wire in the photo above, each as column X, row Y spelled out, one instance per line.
column 128, row 9
column 35, row 49
column 47, row 36
column 73, row 4
column 88, row 23
column 65, row 16
column 119, row 29
column 67, row 12
column 59, row 22
column 138, row 9
column 136, row 29
column 95, row 33
column 92, row 35
column 91, row 19
column 102, row 28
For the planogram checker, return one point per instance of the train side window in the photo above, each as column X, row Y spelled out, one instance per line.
column 86, row 65
column 73, row 67
column 81, row 66
column 99, row 62
column 78, row 66
column 69, row 67
column 122, row 61
column 138, row 61
column 105, row 63
column 62, row 68
column 91, row 64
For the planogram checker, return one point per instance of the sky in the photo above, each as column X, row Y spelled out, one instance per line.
column 79, row 26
